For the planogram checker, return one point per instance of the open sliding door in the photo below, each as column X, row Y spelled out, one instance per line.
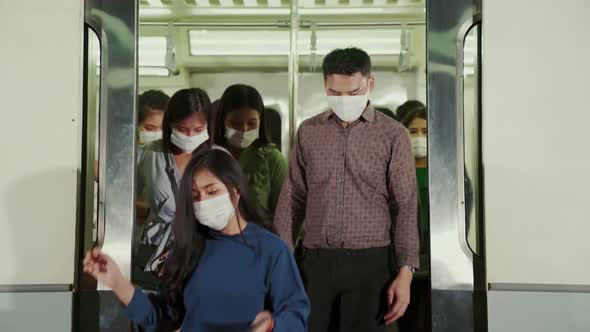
column 453, row 80
column 40, row 90
column 109, row 139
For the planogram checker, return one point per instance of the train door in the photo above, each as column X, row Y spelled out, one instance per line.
column 108, row 166
column 457, row 256
column 41, row 93
column 536, row 178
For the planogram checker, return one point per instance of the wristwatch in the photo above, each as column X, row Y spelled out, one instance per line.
column 412, row 269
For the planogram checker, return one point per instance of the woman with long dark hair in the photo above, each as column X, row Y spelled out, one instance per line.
column 162, row 164
column 240, row 127
column 226, row 271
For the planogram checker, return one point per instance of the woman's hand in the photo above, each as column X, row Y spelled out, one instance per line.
column 141, row 212
column 262, row 323
column 102, row 268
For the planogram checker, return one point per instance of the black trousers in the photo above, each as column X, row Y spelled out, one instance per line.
column 346, row 288
column 417, row 316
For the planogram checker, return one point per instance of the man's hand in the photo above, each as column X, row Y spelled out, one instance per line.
column 398, row 295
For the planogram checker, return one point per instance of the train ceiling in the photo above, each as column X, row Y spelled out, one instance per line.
column 203, row 46
column 188, row 10
column 275, row 3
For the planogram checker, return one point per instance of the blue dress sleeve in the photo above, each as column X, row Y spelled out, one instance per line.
column 290, row 305
column 151, row 313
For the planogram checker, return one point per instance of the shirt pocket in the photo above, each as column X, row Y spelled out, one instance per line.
column 370, row 164
column 322, row 164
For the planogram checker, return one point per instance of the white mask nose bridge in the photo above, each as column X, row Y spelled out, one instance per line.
column 348, row 108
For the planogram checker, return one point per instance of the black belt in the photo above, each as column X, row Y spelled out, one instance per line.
column 346, row 251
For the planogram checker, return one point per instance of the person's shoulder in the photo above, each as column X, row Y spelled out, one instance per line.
column 269, row 241
column 390, row 130
column 389, row 123
column 154, row 147
column 151, row 153
column 315, row 120
column 270, row 151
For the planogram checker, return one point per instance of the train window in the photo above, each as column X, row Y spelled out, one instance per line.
column 91, row 124
column 151, row 53
column 153, row 71
column 472, row 138
column 239, row 42
column 381, row 41
column 254, row 48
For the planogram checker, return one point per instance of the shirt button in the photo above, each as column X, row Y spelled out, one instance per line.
column 339, row 180
column 339, row 206
column 342, row 155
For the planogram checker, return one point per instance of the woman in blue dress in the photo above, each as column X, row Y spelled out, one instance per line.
column 226, row 271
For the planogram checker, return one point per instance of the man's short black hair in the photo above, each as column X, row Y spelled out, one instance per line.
column 151, row 100
column 347, row 61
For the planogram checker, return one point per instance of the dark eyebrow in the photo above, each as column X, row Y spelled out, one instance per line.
column 334, row 91
column 355, row 90
column 208, row 185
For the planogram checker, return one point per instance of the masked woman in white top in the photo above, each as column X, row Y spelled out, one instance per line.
column 240, row 128
column 161, row 167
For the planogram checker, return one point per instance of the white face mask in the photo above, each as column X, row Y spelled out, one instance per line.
column 215, row 212
column 348, row 108
column 188, row 144
column 146, row 137
column 241, row 139
column 419, row 146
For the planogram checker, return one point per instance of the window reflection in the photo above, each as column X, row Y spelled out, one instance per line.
column 91, row 119
column 472, row 141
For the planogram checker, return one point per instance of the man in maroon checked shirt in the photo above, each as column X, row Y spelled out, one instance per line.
column 348, row 167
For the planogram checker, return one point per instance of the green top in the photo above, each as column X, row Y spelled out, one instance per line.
column 422, row 178
column 266, row 169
